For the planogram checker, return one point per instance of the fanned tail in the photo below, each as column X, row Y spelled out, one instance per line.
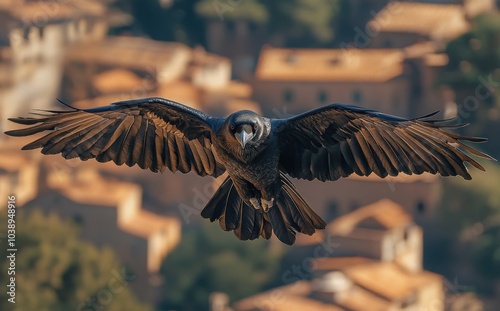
column 290, row 214
column 234, row 214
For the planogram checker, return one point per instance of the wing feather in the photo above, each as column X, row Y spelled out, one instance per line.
column 338, row 140
column 153, row 133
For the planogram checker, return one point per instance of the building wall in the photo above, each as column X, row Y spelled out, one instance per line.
column 34, row 59
column 390, row 39
column 419, row 198
column 390, row 97
column 431, row 296
column 352, row 246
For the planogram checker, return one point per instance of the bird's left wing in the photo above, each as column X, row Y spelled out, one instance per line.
column 338, row 140
column 152, row 132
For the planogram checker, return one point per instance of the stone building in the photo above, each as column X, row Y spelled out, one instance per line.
column 109, row 212
column 376, row 265
column 121, row 68
column 33, row 38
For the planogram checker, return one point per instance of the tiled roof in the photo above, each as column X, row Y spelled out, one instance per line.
column 434, row 20
column 33, row 12
column 117, row 80
column 303, row 65
column 291, row 297
column 389, row 280
column 385, row 212
column 132, row 53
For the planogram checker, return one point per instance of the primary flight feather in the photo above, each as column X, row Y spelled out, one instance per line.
column 256, row 199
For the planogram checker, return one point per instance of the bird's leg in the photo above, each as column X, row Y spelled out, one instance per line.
column 255, row 203
column 266, row 204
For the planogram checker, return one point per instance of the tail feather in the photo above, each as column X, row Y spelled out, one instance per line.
column 290, row 214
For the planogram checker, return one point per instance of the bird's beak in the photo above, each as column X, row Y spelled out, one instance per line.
column 243, row 137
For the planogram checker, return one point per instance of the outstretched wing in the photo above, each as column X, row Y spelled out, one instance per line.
column 153, row 132
column 338, row 140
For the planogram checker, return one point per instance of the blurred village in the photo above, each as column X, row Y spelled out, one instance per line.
column 400, row 243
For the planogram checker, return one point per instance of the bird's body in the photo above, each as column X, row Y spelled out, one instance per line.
column 253, row 169
column 257, row 153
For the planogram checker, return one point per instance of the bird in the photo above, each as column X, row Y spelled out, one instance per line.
column 259, row 154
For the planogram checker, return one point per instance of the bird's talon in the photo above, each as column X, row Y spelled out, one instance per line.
column 266, row 204
column 255, row 203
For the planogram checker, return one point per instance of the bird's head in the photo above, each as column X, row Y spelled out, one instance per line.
column 246, row 127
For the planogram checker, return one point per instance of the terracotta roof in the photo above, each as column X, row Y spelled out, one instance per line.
column 116, row 80
column 358, row 299
column 375, row 286
column 434, row 20
column 370, row 65
column 291, row 297
column 32, row 11
column 385, row 212
column 420, row 49
column 338, row 263
column 132, row 53
column 389, row 280
column 180, row 91
column 304, row 239
column 436, row 60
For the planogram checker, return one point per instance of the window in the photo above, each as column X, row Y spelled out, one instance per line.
column 252, row 27
column 78, row 219
column 420, row 207
column 41, row 31
column 230, row 26
column 357, row 96
column 288, row 96
column 322, row 97
column 26, row 34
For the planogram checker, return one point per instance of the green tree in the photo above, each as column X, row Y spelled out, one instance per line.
column 56, row 271
column 473, row 72
column 303, row 22
column 475, row 53
column 296, row 22
column 471, row 211
column 174, row 21
column 209, row 260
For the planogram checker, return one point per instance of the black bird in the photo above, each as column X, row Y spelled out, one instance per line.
column 257, row 153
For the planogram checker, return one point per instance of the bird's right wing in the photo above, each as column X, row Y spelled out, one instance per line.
column 338, row 140
column 154, row 133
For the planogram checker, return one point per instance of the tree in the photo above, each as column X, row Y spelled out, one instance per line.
column 475, row 53
column 296, row 22
column 473, row 72
column 470, row 211
column 210, row 260
column 305, row 23
column 177, row 21
column 56, row 271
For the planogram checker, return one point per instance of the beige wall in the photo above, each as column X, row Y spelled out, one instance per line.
column 348, row 194
column 350, row 246
column 390, row 97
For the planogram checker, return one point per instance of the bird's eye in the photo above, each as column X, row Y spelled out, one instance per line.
column 255, row 126
column 231, row 127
